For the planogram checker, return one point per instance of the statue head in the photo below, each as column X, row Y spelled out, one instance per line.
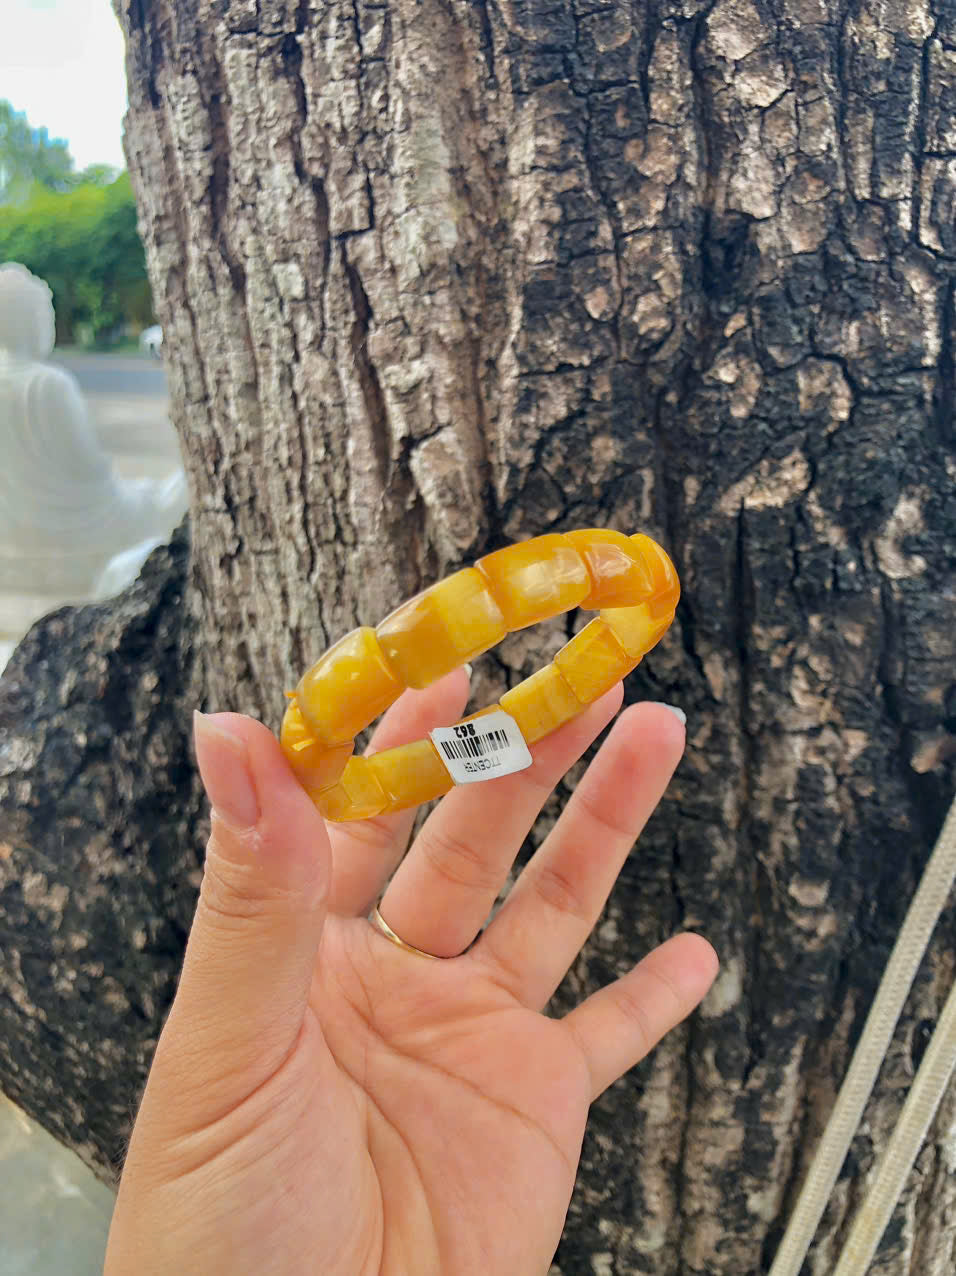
column 27, row 327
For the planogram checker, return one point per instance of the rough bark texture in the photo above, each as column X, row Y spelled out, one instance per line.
column 100, row 841
column 438, row 275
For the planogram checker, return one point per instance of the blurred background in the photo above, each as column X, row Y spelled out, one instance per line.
column 67, row 214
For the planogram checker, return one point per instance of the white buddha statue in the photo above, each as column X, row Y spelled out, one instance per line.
column 68, row 525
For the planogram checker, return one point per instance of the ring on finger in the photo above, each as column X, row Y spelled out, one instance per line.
column 381, row 925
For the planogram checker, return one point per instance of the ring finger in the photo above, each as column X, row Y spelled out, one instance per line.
column 448, row 882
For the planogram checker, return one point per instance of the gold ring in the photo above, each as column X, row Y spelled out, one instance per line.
column 380, row 924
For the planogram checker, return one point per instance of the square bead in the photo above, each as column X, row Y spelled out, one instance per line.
column 347, row 688
column 536, row 579
column 357, row 796
column 410, row 774
column 541, row 703
column 619, row 575
column 316, row 766
column 442, row 628
column 635, row 628
column 666, row 588
column 593, row 661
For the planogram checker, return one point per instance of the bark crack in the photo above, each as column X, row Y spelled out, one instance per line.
column 944, row 399
column 145, row 61
column 706, row 126
column 487, row 37
column 374, row 400
column 743, row 610
column 921, row 148
column 217, row 107
column 601, row 194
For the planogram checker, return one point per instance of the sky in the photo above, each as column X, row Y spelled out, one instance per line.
column 61, row 61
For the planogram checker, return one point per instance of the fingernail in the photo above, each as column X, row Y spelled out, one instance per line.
column 679, row 714
column 223, row 759
column 467, row 668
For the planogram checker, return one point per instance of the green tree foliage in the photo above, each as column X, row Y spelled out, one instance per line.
column 75, row 230
column 29, row 155
column 84, row 243
column 95, row 175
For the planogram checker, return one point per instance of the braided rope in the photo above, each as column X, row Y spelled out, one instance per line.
column 924, row 911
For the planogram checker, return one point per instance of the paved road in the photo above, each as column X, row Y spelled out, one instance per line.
column 54, row 1215
column 125, row 374
column 128, row 400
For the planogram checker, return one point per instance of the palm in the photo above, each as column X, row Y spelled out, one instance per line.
column 469, row 1107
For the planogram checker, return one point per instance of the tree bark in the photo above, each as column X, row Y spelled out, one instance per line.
column 101, row 821
column 438, row 275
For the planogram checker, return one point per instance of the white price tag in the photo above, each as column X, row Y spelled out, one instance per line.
column 482, row 749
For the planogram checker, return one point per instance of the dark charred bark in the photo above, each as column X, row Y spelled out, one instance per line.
column 100, row 853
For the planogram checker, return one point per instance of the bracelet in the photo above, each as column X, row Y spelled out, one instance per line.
column 629, row 580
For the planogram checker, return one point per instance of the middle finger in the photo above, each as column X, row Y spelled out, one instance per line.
column 448, row 882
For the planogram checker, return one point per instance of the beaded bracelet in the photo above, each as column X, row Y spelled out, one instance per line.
column 628, row 579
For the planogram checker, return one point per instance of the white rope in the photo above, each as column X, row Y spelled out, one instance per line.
column 907, row 1139
column 871, row 1049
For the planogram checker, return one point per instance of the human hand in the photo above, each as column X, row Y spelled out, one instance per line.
column 322, row 1100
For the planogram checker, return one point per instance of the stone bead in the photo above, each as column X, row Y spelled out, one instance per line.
column 635, row 628
column 347, row 688
column 593, row 661
column 317, row 766
column 442, row 628
column 666, row 586
column 541, row 703
column 410, row 774
column 357, row 796
column 619, row 571
column 536, row 579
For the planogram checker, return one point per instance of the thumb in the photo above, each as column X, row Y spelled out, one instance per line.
column 248, row 968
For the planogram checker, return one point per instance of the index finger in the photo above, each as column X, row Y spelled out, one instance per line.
column 366, row 852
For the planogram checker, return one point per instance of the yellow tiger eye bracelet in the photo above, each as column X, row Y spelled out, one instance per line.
column 628, row 580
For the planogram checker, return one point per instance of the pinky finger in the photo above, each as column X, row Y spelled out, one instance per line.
column 617, row 1026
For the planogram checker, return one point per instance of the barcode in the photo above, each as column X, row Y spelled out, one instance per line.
column 475, row 746
column 485, row 749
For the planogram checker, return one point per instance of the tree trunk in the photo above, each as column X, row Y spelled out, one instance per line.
column 435, row 276
column 101, row 821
